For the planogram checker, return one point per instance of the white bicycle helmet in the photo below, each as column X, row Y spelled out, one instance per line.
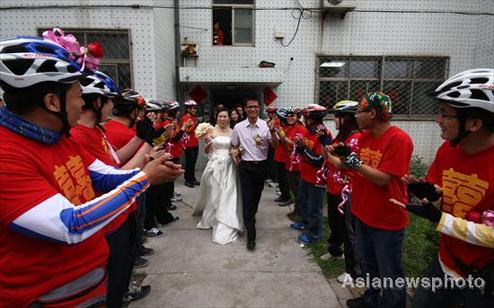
column 114, row 90
column 190, row 103
column 26, row 61
column 92, row 84
column 154, row 105
column 345, row 106
column 472, row 88
column 172, row 105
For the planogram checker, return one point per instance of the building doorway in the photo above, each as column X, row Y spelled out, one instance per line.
column 231, row 96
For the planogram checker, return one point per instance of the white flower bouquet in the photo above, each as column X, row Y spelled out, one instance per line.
column 203, row 129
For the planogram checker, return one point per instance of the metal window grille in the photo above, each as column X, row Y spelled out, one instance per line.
column 116, row 62
column 407, row 80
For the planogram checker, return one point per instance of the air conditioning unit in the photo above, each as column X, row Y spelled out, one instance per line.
column 338, row 6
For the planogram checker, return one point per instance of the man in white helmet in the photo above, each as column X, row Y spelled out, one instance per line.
column 53, row 250
column 458, row 193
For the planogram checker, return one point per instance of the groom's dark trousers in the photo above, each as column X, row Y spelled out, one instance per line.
column 252, row 175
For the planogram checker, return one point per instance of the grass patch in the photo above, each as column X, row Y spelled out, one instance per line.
column 419, row 249
column 330, row 268
column 420, row 246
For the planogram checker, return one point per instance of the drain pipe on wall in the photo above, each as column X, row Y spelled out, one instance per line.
column 178, row 91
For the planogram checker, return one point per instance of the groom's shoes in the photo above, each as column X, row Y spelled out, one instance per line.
column 280, row 199
column 188, row 184
column 285, row 203
column 251, row 245
column 196, row 183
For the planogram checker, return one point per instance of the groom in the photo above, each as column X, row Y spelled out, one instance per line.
column 251, row 140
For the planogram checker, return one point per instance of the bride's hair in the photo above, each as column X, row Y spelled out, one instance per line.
column 221, row 109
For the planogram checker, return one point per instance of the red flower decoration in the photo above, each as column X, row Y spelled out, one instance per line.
column 95, row 49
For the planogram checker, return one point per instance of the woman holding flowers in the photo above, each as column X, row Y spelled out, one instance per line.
column 219, row 199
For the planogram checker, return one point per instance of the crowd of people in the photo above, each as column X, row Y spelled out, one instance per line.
column 87, row 172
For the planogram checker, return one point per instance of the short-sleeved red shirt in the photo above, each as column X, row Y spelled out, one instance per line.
column 389, row 153
column 292, row 164
column 467, row 181
column 93, row 140
column 30, row 173
column 192, row 140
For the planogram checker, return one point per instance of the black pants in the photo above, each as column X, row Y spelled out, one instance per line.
column 157, row 203
column 168, row 193
column 352, row 265
column 252, row 176
column 336, row 222
column 293, row 182
column 271, row 169
column 282, row 180
column 140, row 218
column 190, row 164
column 118, row 264
column 468, row 297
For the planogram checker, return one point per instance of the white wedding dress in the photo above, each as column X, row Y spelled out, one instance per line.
column 219, row 198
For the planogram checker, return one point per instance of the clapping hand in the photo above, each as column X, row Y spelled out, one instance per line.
column 145, row 130
column 321, row 130
column 299, row 140
column 158, row 151
column 162, row 170
column 427, row 193
column 424, row 209
column 187, row 124
column 341, row 150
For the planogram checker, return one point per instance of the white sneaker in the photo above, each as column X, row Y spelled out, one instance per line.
column 327, row 256
column 175, row 199
column 154, row 232
column 344, row 278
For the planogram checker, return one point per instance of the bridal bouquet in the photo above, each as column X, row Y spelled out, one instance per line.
column 203, row 129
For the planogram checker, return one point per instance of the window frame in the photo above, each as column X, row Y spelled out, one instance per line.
column 104, row 61
column 320, row 58
column 233, row 6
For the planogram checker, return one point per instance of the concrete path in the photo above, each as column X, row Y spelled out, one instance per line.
column 188, row 270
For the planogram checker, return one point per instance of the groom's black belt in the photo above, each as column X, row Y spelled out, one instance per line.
column 253, row 162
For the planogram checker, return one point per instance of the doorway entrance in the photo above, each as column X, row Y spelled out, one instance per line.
column 230, row 96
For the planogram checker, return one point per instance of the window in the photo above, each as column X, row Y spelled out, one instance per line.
column 116, row 45
column 407, row 80
column 233, row 22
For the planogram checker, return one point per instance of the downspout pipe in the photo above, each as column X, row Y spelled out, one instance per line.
column 178, row 91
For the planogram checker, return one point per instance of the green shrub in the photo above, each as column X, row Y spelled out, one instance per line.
column 417, row 166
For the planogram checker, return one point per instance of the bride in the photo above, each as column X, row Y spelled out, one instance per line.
column 219, row 198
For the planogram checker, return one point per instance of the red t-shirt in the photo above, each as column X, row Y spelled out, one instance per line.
column 279, row 152
column 291, row 131
column 93, row 140
column 177, row 147
column 390, row 153
column 338, row 178
column 192, row 141
column 118, row 134
column 31, row 172
column 467, row 186
column 307, row 170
